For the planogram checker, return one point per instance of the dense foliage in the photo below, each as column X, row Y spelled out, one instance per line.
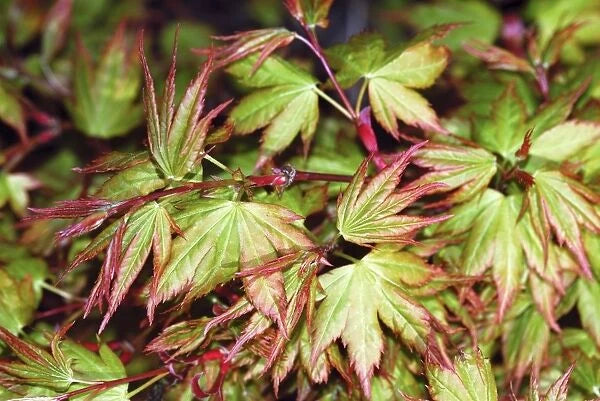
column 408, row 214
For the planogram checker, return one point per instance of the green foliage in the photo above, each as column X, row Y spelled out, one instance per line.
column 446, row 249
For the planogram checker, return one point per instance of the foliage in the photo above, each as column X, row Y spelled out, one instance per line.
column 418, row 218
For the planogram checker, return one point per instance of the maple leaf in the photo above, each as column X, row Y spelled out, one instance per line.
column 466, row 171
column 37, row 366
column 104, row 96
column 176, row 138
column 286, row 102
column 525, row 340
column 221, row 237
column 493, row 241
column 148, row 228
column 551, row 144
column 470, row 378
column 391, row 78
column 368, row 212
column 565, row 206
column 355, row 296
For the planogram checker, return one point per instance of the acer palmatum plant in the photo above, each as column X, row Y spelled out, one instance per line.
column 418, row 220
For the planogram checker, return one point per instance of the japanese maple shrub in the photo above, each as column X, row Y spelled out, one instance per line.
column 394, row 251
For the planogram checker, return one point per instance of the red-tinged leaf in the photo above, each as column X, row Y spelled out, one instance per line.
column 113, row 161
column 182, row 337
column 257, row 324
column 368, row 213
column 555, row 111
column 546, row 298
column 565, row 210
column 157, row 137
column 355, row 296
column 112, row 259
column 525, row 341
column 265, row 41
column 469, row 379
column 37, row 367
column 497, row 58
column 138, row 242
column 84, row 226
column 557, row 42
column 466, row 171
column 267, row 294
column 221, row 134
column 240, row 308
column 71, row 208
column 161, row 251
column 559, row 389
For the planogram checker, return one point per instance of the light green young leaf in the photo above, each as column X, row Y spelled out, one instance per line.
column 140, row 179
column 89, row 366
column 222, row 237
column 368, row 212
column 565, row 140
column 470, row 379
column 355, row 296
column 494, row 241
column 362, row 54
column 286, row 102
column 465, row 171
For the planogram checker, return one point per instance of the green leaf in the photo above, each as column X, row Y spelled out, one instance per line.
column 565, row 140
column 368, row 212
column 33, row 269
column 37, row 366
column 221, row 237
column 466, row 171
column 481, row 20
column 14, row 188
column 17, row 302
column 355, row 296
column 362, row 54
column 140, row 179
column 11, row 112
column 470, row 379
column 494, row 241
column 104, row 104
column 525, row 341
column 286, row 103
column 104, row 366
column 504, row 133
